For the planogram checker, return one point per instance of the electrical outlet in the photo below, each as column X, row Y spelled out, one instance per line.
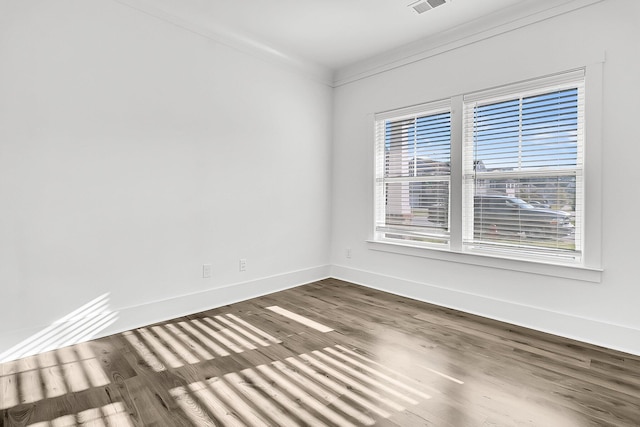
column 243, row 264
column 347, row 252
column 206, row 271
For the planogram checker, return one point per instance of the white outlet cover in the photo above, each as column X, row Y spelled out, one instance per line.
column 206, row 271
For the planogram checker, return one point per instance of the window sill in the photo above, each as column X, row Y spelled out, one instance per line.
column 567, row 271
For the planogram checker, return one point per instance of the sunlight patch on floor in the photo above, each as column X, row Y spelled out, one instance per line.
column 51, row 374
column 323, row 387
column 300, row 319
column 112, row 415
column 174, row 345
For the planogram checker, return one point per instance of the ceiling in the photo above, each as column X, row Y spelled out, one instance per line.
column 330, row 33
column 334, row 34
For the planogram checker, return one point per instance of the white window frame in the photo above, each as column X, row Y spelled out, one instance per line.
column 589, row 266
column 569, row 80
column 414, row 112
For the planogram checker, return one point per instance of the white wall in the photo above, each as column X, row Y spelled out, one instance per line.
column 132, row 151
column 604, row 313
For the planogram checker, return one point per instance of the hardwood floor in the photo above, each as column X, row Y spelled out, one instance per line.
column 328, row 353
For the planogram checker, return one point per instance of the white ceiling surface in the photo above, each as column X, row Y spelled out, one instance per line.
column 333, row 34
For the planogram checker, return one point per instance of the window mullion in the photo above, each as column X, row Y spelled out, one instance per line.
column 456, row 183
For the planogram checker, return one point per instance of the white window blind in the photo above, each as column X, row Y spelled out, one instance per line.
column 523, row 168
column 413, row 149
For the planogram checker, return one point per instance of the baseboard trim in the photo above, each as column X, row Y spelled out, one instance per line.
column 616, row 337
column 20, row 343
column 604, row 334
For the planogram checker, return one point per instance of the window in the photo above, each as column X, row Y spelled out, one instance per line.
column 412, row 182
column 521, row 187
column 523, row 168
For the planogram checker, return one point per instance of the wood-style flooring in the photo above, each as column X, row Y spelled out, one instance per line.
column 328, row 353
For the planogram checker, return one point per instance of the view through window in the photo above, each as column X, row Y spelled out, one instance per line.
column 521, row 191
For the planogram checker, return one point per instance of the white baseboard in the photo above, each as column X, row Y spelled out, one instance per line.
column 20, row 343
column 617, row 337
column 135, row 317
column 112, row 320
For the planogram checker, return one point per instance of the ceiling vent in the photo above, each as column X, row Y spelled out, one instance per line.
column 424, row 5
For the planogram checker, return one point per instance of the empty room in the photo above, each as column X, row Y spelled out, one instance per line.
column 319, row 213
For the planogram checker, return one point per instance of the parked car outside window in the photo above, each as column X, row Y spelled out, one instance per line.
column 508, row 216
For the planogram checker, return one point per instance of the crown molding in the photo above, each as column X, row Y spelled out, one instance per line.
column 236, row 41
column 509, row 19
